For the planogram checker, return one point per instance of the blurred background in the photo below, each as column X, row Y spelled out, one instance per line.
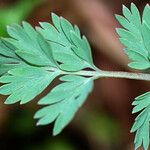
column 104, row 122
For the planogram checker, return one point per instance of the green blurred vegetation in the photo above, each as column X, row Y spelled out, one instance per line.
column 16, row 13
column 98, row 126
column 103, row 127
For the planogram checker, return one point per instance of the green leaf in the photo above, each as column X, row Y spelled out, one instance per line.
column 77, row 30
column 64, row 90
column 8, row 58
column 66, row 27
column 81, row 48
column 7, row 49
column 135, row 36
column 70, row 62
column 134, row 55
column 25, row 83
column 146, row 33
column 56, row 22
column 4, row 68
column 31, row 59
column 33, row 48
column 126, row 12
column 142, row 121
column 140, row 65
column 146, row 13
column 136, row 19
column 74, row 90
column 64, row 35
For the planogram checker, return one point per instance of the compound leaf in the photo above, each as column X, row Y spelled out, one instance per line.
column 135, row 35
column 24, row 84
column 31, row 44
column 31, row 59
column 81, row 48
column 74, row 90
column 8, row 57
column 142, row 121
column 68, row 37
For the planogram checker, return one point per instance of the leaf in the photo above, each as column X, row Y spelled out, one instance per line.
column 82, row 48
column 4, row 68
column 146, row 33
column 64, row 90
column 25, row 83
column 8, row 58
column 140, row 65
column 142, row 122
column 73, row 91
column 135, row 36
column 146, row 13
column 134, row 55
column 32, row 46
column 31, row 59
column 65, row 35
column 7, row 49
column 70, row 62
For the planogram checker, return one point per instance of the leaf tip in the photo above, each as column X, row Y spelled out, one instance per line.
column 53, row 15
column 132, row 129
column 133, row 111
column 117, row 16
column 123, row 6
column 40, row 102
column 117, row 30
column 38, row 123
column 22, row 102
column 132, row 4
column 40, row 23
column 24, row 23
column 38, row 29
column 55, row 133
column 8, row 27
column 6, row 102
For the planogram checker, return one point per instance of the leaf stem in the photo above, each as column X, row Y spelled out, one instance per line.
column 126, row 75
column 106, row 74
column 112, row 74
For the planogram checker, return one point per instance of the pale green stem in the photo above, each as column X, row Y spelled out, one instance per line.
column 107, row 74
column 126, row 75
column 112, row 74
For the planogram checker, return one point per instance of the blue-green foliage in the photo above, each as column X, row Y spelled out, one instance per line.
column 142, row 121
column 69, row 48
column 31, row 59
column 136, row 37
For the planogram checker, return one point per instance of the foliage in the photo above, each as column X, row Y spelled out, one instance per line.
column 136, row 37
column 141, row 125
column 32, row 58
